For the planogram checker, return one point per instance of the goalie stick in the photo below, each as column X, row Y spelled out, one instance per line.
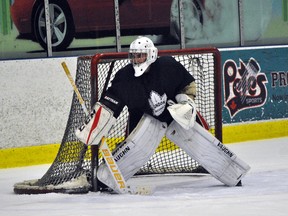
column 107, row 155
column 81, row 101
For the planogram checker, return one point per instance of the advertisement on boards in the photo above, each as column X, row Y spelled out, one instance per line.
column 255, row 84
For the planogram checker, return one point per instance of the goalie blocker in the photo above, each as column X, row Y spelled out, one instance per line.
column 96, row 125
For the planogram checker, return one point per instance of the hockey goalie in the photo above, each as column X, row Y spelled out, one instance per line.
column 159, row 93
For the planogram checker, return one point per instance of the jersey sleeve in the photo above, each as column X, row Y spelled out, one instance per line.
column 123, row 91
column 187, row 77
column 112, row 96
column 175, row 75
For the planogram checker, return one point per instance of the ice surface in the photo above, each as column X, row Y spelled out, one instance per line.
column 264, row 191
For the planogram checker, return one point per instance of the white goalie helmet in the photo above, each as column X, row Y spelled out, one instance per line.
column 142, row 48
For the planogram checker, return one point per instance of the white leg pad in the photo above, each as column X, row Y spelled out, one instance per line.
column 203, row 147
column 135, row 151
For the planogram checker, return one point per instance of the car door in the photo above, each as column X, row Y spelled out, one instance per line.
column 98, row 15
column 133, row 14
column 160, row 13
column 145, row 13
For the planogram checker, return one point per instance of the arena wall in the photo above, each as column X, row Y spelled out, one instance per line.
column 36, row 98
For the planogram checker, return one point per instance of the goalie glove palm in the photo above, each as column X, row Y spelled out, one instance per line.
column 96, row 125
column 183, row 112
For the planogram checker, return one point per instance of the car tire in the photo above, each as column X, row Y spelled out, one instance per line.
column 193, row 10
column 62, row 32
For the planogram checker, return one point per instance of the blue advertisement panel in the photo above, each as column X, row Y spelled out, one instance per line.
column 255, row 84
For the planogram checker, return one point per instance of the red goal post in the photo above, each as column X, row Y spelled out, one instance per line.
column 204, row 64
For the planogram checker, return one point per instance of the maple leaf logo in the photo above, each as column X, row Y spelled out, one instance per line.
column 233, row 105
column 157, row 102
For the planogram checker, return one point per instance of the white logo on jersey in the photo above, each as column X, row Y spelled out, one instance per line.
column 157, row 103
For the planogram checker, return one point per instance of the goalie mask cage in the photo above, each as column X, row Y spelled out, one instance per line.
column 72, row 169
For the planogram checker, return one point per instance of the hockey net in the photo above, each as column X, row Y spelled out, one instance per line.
column 72, row 169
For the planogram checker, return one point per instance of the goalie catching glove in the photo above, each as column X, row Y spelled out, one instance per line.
column 184, row 111
column 97, row 124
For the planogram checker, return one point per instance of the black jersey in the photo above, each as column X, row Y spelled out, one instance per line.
column 148, row 93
